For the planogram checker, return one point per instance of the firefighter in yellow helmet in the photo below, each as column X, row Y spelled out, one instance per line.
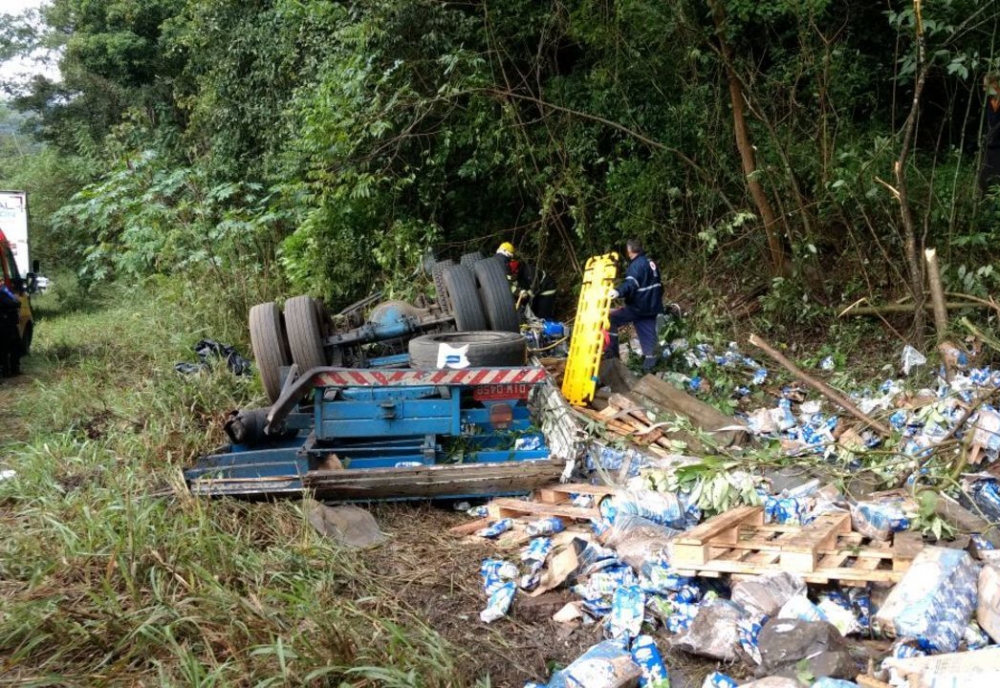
column 533, row 283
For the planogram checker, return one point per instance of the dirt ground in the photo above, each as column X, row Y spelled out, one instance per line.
column 437, row 576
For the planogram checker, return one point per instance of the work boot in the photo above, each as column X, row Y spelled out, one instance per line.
column 649, row 362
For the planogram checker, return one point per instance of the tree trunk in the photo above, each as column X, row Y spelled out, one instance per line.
column 913, row 262
column 775, row 245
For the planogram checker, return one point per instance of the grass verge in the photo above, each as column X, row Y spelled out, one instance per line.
column 111, row 574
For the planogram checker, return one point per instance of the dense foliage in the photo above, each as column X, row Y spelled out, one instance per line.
column 324, row 146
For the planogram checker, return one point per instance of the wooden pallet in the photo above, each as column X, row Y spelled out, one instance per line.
column 738, row 542
column 551, row 500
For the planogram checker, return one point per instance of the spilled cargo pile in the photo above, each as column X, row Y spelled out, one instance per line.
column 693, row 541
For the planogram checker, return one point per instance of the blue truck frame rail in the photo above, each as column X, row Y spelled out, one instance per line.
column 362, row 434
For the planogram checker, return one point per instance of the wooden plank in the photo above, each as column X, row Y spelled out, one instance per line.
column 820, row 534
column 905, row 546
column 867, row 563
column 470, row 527
column 722, row 524
column 763, row 558
column 581, row 488
column 700, row 414
column 509, row 508
column 866, row 681
column 815, row 576
column 694, row 547
column 832, row 561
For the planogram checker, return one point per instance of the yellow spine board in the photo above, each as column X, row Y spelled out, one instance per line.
column 587, row 343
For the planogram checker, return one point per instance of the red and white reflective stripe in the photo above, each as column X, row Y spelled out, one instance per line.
column 398, row 378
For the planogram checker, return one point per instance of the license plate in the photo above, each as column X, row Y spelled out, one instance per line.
column 513, row 390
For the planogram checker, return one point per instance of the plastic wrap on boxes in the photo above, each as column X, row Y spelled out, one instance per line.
column 786, row 510
column 935, row 599
column 840, row 612
column 879, row 520
column 988, row 605
column 496, row 529
column 605, row 665
column 656, row 576
column 545, row 526
column 650, row 661
column 965, row 669
column 766, row 593
column 912, row 359
column 713, row 632
column 719, row 680
column 975, row 638
column 986, row 495
column 628, row 606
column 499, row 603
column 748, row 629
column 637, row 539
column 660, row 507
column 800, row 607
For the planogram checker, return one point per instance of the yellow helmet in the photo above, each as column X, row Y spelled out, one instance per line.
column 506, row 249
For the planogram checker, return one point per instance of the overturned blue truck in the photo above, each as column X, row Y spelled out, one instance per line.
column 434, row 400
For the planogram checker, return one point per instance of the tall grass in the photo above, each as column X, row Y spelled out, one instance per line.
column 111, row 574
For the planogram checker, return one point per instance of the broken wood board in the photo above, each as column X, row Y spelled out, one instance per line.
column 506, row 507
column 431, row 481
column 738, row 542
column 559, row 493
column 470, row 527
column 673, row 400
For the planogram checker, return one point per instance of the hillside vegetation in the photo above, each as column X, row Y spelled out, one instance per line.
column 320, row 147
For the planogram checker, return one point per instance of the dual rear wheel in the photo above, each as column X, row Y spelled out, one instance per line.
column 475, row 291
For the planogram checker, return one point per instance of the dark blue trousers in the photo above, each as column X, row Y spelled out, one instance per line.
column 645, row 327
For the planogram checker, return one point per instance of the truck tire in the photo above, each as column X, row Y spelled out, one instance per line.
column 270, row 348
column 494, row 291
column 442, row 289
column 470, row 259
column 484, row 348
column 305, row 333
column 462, row 293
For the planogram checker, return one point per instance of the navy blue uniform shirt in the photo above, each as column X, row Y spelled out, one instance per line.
column 642, row 288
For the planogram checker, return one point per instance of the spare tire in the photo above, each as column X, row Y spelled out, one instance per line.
column 494, row 292
column 305, row 333
column 470, row 259
column 462, row 293
column 442, row 289
column 270, row 348
column 484, row 348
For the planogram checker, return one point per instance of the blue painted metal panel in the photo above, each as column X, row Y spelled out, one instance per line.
column 389, row 418
column 388, row 393
column 261, row 463
column 389, row 361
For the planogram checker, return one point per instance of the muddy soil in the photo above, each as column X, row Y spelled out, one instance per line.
column 436, row 576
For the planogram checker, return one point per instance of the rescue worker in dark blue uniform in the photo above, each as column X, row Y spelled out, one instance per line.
column 642, row 291
column 531, row 283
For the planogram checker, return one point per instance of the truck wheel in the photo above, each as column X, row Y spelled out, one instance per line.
column 494, row 291
column 465, row 306
column 305, row 334
column 442, row 289
column 484, row 348
column 270, row 348
column 470, row 259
